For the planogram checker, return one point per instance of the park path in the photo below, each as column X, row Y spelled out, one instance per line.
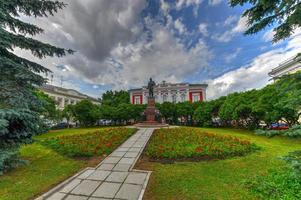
column 113, row 178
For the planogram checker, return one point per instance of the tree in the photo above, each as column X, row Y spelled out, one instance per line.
column 185, row 110
column 68, row 113
column 47, row 109
column 86, row 113
column 284, row 14
column 114, row 98
column 203, row 114
column 19, row 76
column 168, row 111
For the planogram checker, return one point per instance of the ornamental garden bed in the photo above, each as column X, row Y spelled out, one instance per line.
column 97, row 143
column 193, row 144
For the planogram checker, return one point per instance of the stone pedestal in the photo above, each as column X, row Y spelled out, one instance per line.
column 150, row 113
column 150, row 110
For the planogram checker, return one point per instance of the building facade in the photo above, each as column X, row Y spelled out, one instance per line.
column 289, row 66
column 170, row 92
column 64, row 96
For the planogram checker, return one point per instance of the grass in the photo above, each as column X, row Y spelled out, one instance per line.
column 194, row 144
column 222, row 179
column 45, row 169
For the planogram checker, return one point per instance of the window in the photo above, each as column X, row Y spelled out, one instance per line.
column 174, row 98
column 164, row 98
column 183, row 98
column 137, row 100
column 195, row 98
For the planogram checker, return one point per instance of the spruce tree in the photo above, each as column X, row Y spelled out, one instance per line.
column 19, row 77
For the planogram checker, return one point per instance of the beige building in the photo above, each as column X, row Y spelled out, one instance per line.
column 64, row 96
column 289, row 66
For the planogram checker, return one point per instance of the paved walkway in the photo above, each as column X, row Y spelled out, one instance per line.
column 113, row 178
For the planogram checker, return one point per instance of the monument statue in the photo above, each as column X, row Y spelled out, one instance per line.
column 150, row 87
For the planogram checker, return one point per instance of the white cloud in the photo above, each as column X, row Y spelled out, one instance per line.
column 186, row 3
column 254, row 75
column 214, row 2
column 230, row 20
column 268, row 36
column 227, row 36
column 180, row 26
column 229, row 57
column 203, row 28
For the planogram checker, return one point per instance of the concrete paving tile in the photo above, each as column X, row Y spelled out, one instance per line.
column 74, row 197
column 111, row 160
column 117, row 177
column 122, row 149
column 96, row 198
column 131, row 154
column 122, row 167
column 127, row 161
column 129, row 191
column 136, row 178
column 86, row 173
column 136, row 149
column 107, row 190
column 118, row 153
column 57, row 196
column 106, row 166
column 86, row 187
column 70, row 186
column 99, row 175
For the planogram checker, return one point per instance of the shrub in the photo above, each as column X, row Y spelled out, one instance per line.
column 100, row 142
column 181, row 143
column 294, row 131
column 9, row 159
column 294, row 160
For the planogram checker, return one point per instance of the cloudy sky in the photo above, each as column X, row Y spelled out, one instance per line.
column 119, row 44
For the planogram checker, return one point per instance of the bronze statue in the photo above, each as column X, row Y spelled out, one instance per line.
column 150, row 87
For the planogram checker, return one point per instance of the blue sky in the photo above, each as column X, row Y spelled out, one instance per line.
column 120, row 44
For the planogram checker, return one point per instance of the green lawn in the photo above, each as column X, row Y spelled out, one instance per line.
column 220, row 179
column 45, row 169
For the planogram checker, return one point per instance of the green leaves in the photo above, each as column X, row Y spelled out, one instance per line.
column 285, row 15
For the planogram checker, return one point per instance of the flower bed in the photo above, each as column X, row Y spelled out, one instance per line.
column 183, row 143
column 100, row 142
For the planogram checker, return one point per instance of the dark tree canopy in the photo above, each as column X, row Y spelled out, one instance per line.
column 19, row 76
column 285, row 15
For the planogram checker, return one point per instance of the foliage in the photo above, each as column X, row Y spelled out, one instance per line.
column 294, row 161
column 86, row 112
column 181, row 143
column 114, row 98
column 19, row 76
column 168, row 110
column 280, row 184
column 9, row 159
column 48, row 108
column 294, row 131
column 276, row 185
column 285, row 14
column 100, row 142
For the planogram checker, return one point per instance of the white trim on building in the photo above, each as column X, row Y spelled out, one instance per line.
column 64, row 96
column 289, row 66
column 170, row 92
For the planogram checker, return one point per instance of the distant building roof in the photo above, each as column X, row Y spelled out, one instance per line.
column 165, row 84
column 66, row 92
column 287, row 65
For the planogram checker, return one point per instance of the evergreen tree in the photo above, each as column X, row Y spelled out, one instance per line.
column 19, row 76
column 284, row 14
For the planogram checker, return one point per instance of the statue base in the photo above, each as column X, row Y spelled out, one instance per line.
column 150, row 113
